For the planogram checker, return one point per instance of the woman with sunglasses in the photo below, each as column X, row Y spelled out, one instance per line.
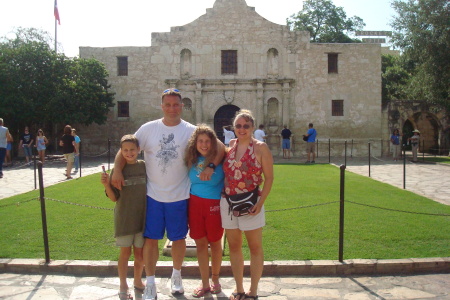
column 205, row 225
column 247, row 165
column 41, row 142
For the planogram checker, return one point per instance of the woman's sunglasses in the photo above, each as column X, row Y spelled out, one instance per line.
column 239, row 126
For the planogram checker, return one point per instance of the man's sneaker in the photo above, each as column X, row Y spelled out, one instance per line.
column 150, row 292
column 177, row 285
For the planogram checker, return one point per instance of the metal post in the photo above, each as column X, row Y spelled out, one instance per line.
column 341, row 215
column 404, row 166
column 351, row 150
column 79, row 158
column 35, row 177
column 317, row 149
column 43, row 213
column 329, row 151
column 345, row 155
column 109, row 154
column 423, row 150
column 369, row 159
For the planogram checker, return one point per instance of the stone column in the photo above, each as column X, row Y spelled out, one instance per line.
column 198, row 103
column 286, row 102
column 261, row 108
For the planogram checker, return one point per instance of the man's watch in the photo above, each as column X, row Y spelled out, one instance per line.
column 212, row 166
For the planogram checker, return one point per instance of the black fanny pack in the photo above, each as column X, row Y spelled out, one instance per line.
column 240, row 204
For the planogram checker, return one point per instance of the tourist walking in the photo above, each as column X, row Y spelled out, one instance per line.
column 311, row 143
column 26, row 143
column 67, row 142
column 4, row 137
column 286, row 143
column 415, row 140
column 41, row 145
column 247, row 166
column 76, row 162
column 395, row 143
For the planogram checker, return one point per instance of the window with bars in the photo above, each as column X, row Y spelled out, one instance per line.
column 332, row 63
column 123, row 109
column 337, row 108
column 122, row 66
column 229, row 62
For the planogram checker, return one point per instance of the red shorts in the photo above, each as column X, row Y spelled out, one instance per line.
column 204, row 219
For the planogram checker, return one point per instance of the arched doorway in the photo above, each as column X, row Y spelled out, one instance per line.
column 223, row 117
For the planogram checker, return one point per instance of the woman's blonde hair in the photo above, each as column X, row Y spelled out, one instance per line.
column 192, row 154
column 246, row 114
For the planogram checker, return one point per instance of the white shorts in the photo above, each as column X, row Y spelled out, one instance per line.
column 136, row 240
column 243, row 223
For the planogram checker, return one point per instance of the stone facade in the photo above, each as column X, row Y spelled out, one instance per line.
column 281, row 77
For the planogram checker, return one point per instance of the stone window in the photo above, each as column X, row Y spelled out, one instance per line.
column 229, row 62
column 122, row 66
column 337, row 108
column 187, row 104
column 123, row 109
column 332, row 63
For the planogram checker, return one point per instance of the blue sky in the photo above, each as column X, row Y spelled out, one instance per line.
column 102, row 23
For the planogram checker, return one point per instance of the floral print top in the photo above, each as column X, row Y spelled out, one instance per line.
column 243, row 175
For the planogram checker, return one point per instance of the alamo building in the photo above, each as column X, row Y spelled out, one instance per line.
column 232, row 58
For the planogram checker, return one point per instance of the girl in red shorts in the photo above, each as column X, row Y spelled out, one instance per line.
column 205, row 225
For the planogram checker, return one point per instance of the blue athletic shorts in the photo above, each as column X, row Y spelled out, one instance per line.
column 286, row 144
column 171, row 217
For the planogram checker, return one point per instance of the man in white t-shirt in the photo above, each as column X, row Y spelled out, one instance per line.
column 259, row 133
column 164, row 143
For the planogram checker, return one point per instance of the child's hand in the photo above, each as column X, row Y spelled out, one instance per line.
column 104, row 179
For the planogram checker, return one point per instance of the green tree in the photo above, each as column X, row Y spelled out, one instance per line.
column 395, row 78
column 422, row 32
column 41, row 88
column 325, row 22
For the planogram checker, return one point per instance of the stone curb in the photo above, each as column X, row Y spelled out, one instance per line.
column 271, row 268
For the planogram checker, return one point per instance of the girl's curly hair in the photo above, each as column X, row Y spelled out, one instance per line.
column 192, row 154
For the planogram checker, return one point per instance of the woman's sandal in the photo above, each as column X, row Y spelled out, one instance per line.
column 125, row 296
column 215, row 288
column 236, row 294
column 200, row 292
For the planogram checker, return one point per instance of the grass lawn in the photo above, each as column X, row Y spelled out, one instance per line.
column 439, row 159
column 81, row 232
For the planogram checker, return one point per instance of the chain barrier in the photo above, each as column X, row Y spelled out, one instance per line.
column 78, row 204
column 398, row 210
column 18, row 203
column 96, row 155
column 299, row 207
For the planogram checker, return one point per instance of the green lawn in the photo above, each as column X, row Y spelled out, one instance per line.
column 80, row 232
column 439, row 159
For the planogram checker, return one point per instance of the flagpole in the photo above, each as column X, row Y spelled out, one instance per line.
column 56, row 36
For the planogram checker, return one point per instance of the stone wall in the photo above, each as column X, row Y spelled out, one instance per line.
column 281, row 77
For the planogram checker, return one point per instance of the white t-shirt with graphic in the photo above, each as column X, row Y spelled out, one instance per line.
column 164, row 149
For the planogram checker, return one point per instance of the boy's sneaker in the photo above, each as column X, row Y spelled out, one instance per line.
column 150, row 292
column 177, row 285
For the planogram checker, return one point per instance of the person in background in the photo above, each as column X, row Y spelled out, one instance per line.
column 247, row 165
column 414, row 140
column 41, row 143
column 259, row 134
column 205, row 224
column 228, row 134
column 395, row 142
column 311, row 143
column 8, row 157
column 4, row 136
column 129, row 214
column 26, row 142
column 76, row 162
column 286, row 144
column 68, row 143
